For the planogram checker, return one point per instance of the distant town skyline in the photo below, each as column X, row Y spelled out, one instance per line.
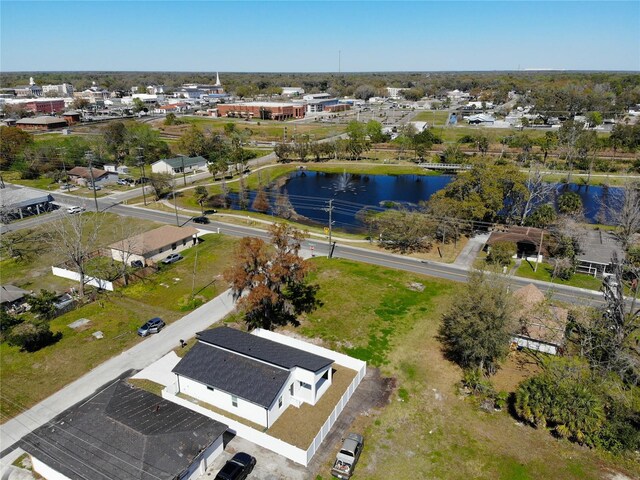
column 322, row 36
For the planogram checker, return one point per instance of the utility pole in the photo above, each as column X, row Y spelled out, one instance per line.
column 175, row 205
column 140, row 159
column 184, row 175
column 330, row 210
column 64, row 166
column 89, row 157
column 535, row 269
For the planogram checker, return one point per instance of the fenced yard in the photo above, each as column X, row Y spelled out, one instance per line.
column 299, row 432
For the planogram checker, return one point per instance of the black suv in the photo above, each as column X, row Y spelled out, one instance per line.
column 202, row 219
column 238, row 468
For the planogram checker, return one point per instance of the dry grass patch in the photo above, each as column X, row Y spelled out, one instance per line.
column 518, row 366
column 222, row 412
column 148, row 385
column 299, row 426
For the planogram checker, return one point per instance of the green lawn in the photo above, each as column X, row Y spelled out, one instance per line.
column 28, row 378
column 433, row 117
column 545, row 271
column 267, row 130
column 426, row 430
column 33, row 271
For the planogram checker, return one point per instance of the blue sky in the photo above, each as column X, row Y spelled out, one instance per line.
column 294, row 36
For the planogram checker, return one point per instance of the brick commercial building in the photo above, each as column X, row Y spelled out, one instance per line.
column 50, row 105
column 262, row 110
column 41, row 123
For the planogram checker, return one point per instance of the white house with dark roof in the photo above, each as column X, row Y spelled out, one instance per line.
column 179, row 165
column 250, row 376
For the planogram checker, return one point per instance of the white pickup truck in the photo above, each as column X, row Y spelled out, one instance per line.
column 348, row 456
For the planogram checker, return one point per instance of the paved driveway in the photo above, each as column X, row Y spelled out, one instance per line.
column 269, row 465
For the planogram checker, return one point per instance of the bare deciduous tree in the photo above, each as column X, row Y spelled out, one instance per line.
column 539, row 190
column 75, row 237
column 128, row 245
column 624, row 210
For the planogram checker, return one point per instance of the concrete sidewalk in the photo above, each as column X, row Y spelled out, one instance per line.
column 138, row 357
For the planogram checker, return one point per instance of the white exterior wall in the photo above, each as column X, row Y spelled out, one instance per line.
column 200, row 464
column 218, row 398
column 46, row 471
column 161, row 167
column 535, row 345
column 156, row 255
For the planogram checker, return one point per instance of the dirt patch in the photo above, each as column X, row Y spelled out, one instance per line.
column 518, row 367
column 373, row 394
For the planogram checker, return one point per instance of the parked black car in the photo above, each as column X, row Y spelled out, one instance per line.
column 202, row 219
column 137, row 264
column 152, row 326
column 238, row 468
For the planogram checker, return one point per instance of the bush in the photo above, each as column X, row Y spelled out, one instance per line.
column 501, row 253
column 565, row 399
column 31, row 336
column 475, row 380
column 564, row 268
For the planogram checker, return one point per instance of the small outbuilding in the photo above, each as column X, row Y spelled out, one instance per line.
column 12, row 298
column 541, row 326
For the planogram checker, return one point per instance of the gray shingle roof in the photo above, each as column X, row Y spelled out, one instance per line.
column 11, row 293
column 262, row 349
column 246, row 378
column 123, row 433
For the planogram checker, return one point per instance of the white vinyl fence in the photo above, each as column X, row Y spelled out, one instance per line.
column 88, row 280
column 265, row 440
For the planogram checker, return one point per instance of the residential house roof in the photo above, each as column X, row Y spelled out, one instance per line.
column 540, row 322
column 11, row 293
column 179, row 162
column 152, row 240
column 518, row 235
column 123, row 432
column 598, row 246
column 83, row 172
column 263, row 349
column 19, row 197
column 244, row 377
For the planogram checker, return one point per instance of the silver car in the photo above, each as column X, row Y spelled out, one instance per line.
column 152, row 326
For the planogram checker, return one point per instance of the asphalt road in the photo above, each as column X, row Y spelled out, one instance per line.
column 435, row 269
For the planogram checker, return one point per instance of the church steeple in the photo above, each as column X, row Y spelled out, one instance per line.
column 217, row 80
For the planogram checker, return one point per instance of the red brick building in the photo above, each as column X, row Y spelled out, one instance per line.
column 41, row 123
column 45, row 106
column 262, row 110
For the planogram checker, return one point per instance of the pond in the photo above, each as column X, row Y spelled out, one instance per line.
column 310, row 192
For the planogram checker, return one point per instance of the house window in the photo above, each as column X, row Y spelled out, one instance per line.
column 305, row 385
column 209, row 388
column 234, row 400
column 291, row 389
column 280, row 402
